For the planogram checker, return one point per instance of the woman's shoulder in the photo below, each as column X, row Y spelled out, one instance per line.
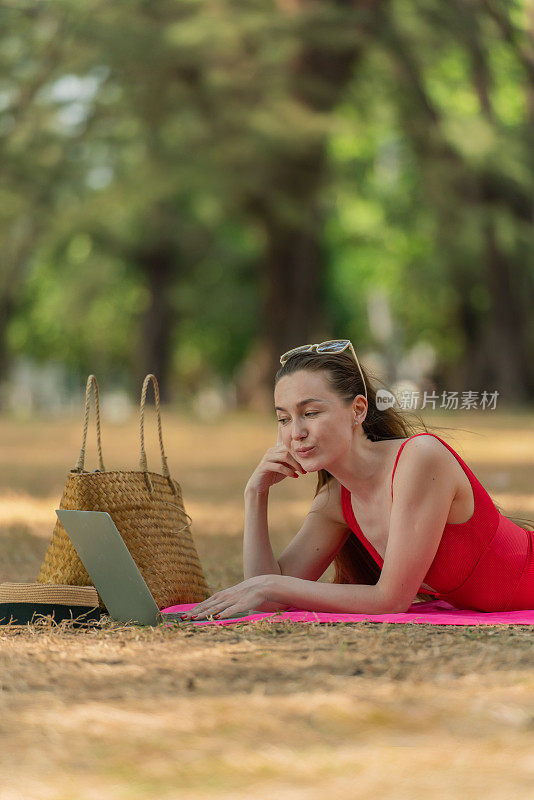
column 425, row 443
column 426, row 450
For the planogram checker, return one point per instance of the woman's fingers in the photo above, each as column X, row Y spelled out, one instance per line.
column 212, row 604
column 224, row 611
column 218, row 597
column 203, row 613
column 231, row 611
column 195, row 612
column 290, row 459
column 280, row 466
column 299, row 467
column 276, row 464
column 296, row 466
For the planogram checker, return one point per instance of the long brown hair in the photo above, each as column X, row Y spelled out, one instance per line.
column 353, row 563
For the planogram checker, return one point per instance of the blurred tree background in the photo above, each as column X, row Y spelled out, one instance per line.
column 191, row 188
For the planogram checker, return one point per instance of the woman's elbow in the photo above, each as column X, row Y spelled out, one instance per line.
column 400, row 606
column 393, row 604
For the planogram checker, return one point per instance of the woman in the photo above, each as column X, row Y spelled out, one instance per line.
column 399, row 513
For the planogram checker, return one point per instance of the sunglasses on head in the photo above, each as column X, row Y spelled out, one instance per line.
column 332, row 346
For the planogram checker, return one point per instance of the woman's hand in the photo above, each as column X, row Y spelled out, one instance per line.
column 276, row 464
column 245, row 596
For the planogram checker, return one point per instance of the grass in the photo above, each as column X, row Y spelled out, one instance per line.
column 294, row 711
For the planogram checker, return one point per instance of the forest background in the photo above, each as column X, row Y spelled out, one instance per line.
column 192, row 188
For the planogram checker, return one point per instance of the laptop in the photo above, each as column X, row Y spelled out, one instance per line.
column 113, row 570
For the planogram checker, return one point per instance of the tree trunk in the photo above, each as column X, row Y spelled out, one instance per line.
column 156, row 331
column 290, row 215
column 292, row 308
column 504, row 330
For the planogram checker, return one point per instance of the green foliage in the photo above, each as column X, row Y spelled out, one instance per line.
column 79, row 305
column 130, row 129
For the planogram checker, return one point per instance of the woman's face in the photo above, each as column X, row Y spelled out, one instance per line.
column 313, row 422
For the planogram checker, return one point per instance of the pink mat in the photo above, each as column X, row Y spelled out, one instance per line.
column 433, row 612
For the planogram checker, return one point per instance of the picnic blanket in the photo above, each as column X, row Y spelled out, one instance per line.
column 432, row 612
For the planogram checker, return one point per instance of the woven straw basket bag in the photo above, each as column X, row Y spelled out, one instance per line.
column 149, row 513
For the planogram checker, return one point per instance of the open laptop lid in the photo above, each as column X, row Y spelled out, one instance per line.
column 110, row 565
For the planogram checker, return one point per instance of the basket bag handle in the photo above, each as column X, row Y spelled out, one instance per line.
column 143, row 466
column 91, row 383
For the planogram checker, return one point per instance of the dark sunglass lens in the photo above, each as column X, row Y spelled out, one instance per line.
column 296, row 350
column 332, row 347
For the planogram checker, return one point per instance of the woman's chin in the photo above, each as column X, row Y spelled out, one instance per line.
column 312, row 466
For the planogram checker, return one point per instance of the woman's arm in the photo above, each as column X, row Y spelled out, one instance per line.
column 342, row 598
column 295, row 582
column 258, row 556
column 276, row 465
column 425, row 487
column 308, row 554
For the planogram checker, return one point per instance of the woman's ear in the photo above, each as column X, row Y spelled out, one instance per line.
column 359, row 407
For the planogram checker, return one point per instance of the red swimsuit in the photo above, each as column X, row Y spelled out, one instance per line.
column 486, row 563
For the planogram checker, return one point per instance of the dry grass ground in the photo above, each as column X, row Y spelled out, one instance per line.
column 264, row 710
